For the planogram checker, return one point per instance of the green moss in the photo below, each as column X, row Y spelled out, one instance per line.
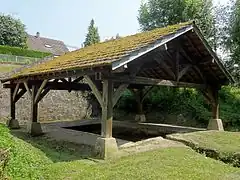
column 102, row 53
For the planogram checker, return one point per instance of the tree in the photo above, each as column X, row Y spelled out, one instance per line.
column 92, row 35
column 234, row 39
column 160, row 13
column 12, row 31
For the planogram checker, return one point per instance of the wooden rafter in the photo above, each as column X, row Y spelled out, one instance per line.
column 184, row 71
column 165, row 67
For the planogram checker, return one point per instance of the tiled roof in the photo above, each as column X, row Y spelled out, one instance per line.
column 55, row 47
column 100, row 54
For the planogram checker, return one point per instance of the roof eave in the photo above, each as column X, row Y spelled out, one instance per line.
column 150, row 47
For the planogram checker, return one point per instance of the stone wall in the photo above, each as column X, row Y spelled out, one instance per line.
column 56, row 105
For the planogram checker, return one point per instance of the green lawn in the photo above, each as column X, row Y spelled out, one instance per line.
column 42, row 158
column 8, row 67
column 222, row 145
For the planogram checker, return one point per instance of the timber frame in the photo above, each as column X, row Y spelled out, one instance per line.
column 178, row 59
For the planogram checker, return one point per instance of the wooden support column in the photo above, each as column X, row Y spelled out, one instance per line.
column 107, row 109
column 140, row 95
column 13, row 123
column 211, row 95
column 34, row 106
column 106, row 145
column 34, row 127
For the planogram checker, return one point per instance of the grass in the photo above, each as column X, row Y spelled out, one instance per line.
column 170, row 163
column 7, row 67
column 43, row 158
column 222, row 145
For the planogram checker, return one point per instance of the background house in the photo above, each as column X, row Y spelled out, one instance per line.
column 43, row 44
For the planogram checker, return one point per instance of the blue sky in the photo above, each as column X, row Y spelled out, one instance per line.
column 67, row 20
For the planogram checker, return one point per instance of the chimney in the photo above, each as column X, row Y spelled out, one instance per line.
column 37, row 34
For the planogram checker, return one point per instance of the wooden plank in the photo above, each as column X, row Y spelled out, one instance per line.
column 27, row 88
column 94, row 89
column 44, row 83
column 117, row 94
column 107, row 109
column 177, row 64
column 154, row 82
column 15, row 91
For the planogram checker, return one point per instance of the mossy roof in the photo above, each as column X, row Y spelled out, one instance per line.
column 100, row 54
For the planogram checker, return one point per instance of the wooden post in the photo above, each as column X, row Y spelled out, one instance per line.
column 107, row 109
column 34, row 127
column 215, row 123
column 12, row 123
column 34, row 105
column 215, row 105
column 12, row 105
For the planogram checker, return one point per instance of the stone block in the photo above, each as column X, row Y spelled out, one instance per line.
column 140, row 118
column 34, row 128
column 105, row 148
column 215, row 124
column 13, row 124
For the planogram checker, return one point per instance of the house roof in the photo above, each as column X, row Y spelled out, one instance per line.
column 38, row 43
column 116, row 53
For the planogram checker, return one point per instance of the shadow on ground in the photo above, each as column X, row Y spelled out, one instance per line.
column 57, row 151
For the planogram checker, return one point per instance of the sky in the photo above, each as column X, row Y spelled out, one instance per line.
column 68, row 20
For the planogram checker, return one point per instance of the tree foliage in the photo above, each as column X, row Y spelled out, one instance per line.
column 12, row 31
column 92, row 35
column 234, row 42
column 160, row 13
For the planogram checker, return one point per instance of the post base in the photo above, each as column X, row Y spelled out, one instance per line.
column 13, row 124
column 105, row 148
column 215, row 124
column 140, row 118
column 34, row 129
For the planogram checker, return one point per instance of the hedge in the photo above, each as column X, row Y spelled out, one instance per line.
column 22, row 52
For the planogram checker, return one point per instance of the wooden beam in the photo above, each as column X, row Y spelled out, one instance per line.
column 15, row 91
column 117, row 94
column 19, row 95
column 63, row 80
column 27, row 88
column 44, row 93
column 177, row 63
column 145, row 93
column 184, row 71
column 94, row 89
column 154, row 82
column 107, row 109
column 77, row 79
column 39, row 91
column 53, row 85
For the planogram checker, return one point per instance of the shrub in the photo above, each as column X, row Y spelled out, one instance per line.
column 22, row 52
